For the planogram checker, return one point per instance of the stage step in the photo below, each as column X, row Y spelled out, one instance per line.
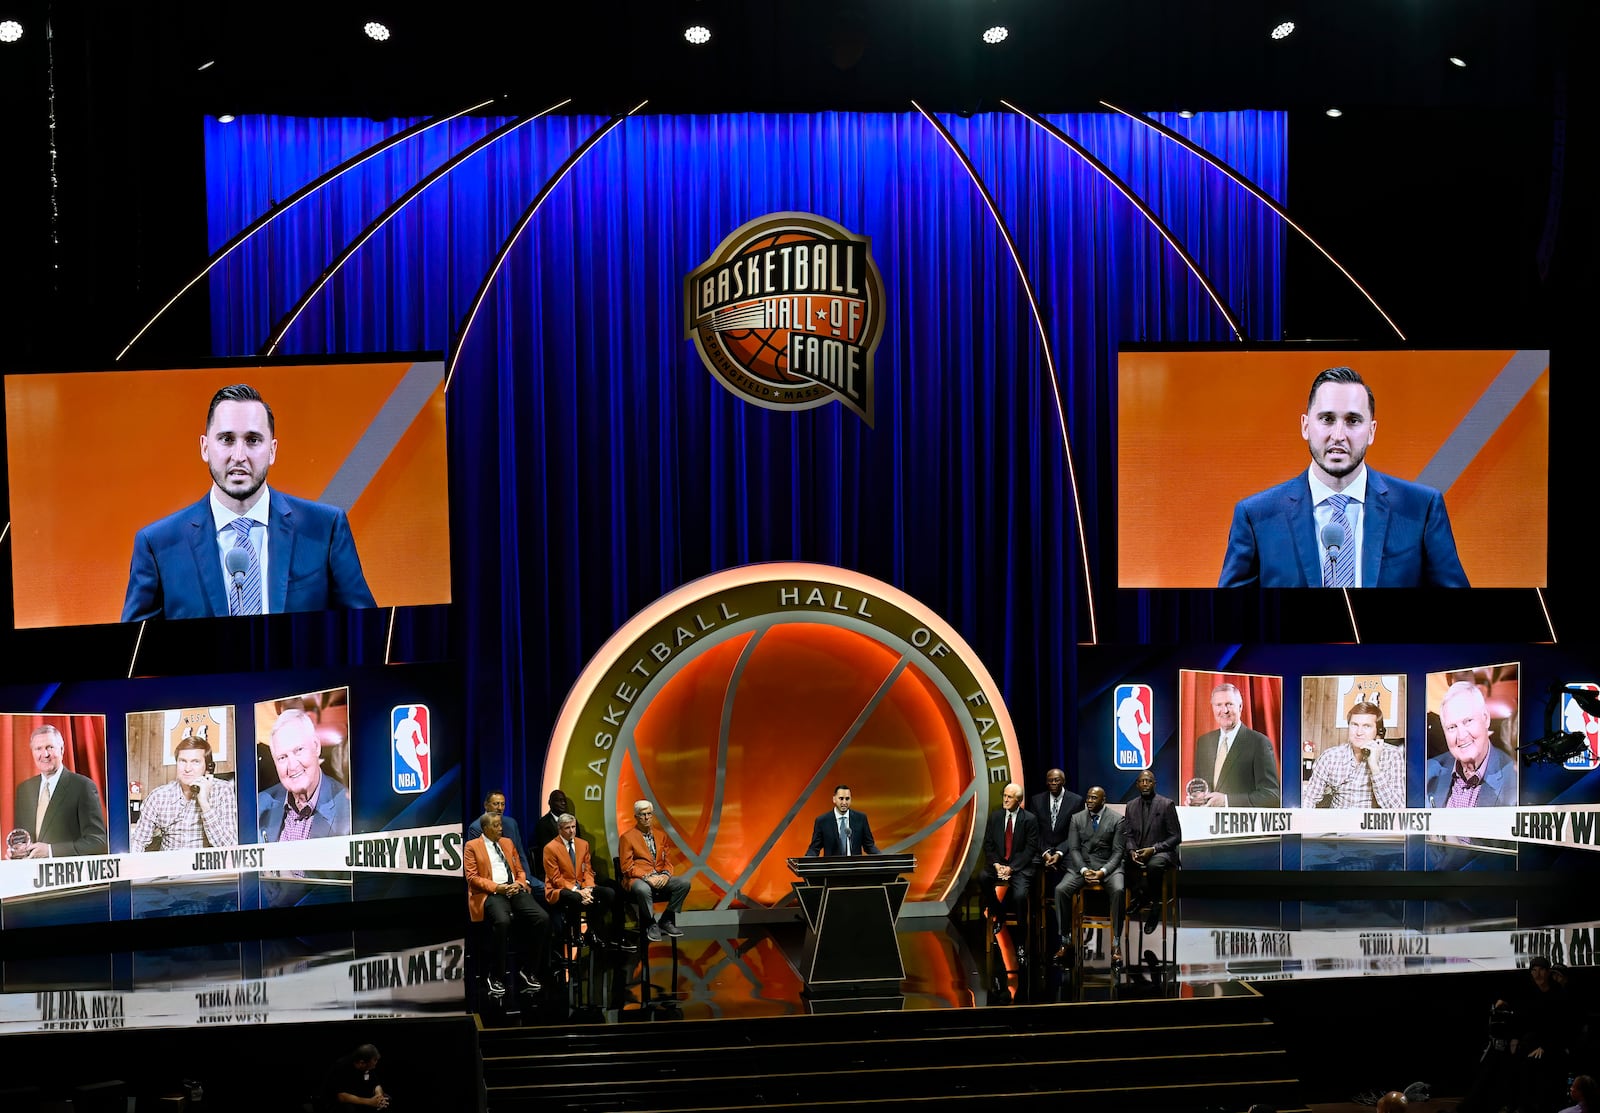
column 1187, row 1054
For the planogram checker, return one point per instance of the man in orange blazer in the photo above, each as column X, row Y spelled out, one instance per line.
column 569, row 879
column 648, row 875
column 498, row 890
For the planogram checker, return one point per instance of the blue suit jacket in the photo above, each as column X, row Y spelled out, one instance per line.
column 508, row 830
column 825, row 835
column 1406, row 538
column 311, row 558
column 1499, row 780
column 332, row 816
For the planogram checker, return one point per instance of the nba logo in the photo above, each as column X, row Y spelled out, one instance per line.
column 1131, row 737
column 1575, row 720
column 410, row 726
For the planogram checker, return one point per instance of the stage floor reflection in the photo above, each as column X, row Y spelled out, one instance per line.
column 1220, row 947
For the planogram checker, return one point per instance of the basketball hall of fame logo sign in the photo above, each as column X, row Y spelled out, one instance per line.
column 787, row 313
column 738, row 702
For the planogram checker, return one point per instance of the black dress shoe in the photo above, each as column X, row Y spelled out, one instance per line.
column 530, row 984
column 623, row 944
column 1063, row 956
column 496, row 988
column 1152, row 920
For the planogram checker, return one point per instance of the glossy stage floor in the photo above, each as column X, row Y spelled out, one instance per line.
column 727, row 972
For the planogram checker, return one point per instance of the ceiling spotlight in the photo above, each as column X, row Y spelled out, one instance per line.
column 1459, row 63
column 376, row 31
column 206, row 65
column 225, row 118
column 10, row 31
column 1283, row 30
column 1335, row 112
column 697, row 35
column 1186, row 115
column 996, row 34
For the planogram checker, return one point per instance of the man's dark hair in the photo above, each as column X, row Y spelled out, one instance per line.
column 1341, row 375
column 557, row 794
column 366, row 1053
column 241, row 392
column 1539, row 960
column 1365, row 708
column 491, row 794
column 838, row 788
column 191, row 742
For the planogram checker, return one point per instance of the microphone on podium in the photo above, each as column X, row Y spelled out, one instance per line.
column 237, row 562
column 1333, row 540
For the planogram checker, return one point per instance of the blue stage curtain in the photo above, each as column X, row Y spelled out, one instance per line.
column 597, row 465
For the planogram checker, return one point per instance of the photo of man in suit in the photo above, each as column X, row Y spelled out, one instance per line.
column 1010, row 848
column 1473, row 772
column 244, row 548
column 1236, row 763
column 840, row 831
column 1154, row 835
column 304, row 804
column 1342, row 524
column 1094, row 853
column 60, row 811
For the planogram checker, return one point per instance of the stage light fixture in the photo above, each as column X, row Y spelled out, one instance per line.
column 225, row 118
column 1458, row 63
column 1185, row 114
column 996, row 35
column 1335, row 112
column 697, row 34
column 206, row 65
column 10, row 31
column 1283, row 30
column 376, row 31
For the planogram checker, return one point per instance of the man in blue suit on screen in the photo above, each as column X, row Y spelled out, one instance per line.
column 1342, row 524
column 840, row 831
column 244, row 548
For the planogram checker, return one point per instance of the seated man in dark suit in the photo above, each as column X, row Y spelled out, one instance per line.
column 1342, row 524
column 243, row 548
column 59, row 810
column 494, row 803
column 1154, row 835
column 841, row 831
column 1010, row 847
column 549, row 826
column 1094, row 853
column 1054, row 809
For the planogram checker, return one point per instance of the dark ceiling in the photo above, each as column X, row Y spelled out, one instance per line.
column 304, row 57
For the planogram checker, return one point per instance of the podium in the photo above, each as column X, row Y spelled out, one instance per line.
column 851, row 905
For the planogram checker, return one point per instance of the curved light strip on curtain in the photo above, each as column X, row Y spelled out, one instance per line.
column 298, row 196
column 527, row 215
column 1195, row 149
column 1044, row 343
column 388, row 214
column 1138, row 202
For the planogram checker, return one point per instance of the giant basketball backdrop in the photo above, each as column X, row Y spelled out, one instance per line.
column 738, row 702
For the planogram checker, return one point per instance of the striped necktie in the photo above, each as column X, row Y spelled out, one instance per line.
column 246, row 598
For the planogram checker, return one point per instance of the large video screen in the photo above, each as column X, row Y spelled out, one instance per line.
column 183, row 795
column 238, row 489
column 1354, row 757
column 1266, row 468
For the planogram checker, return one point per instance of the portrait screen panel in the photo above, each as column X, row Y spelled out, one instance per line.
column 1225, row 468
column 352, row 454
